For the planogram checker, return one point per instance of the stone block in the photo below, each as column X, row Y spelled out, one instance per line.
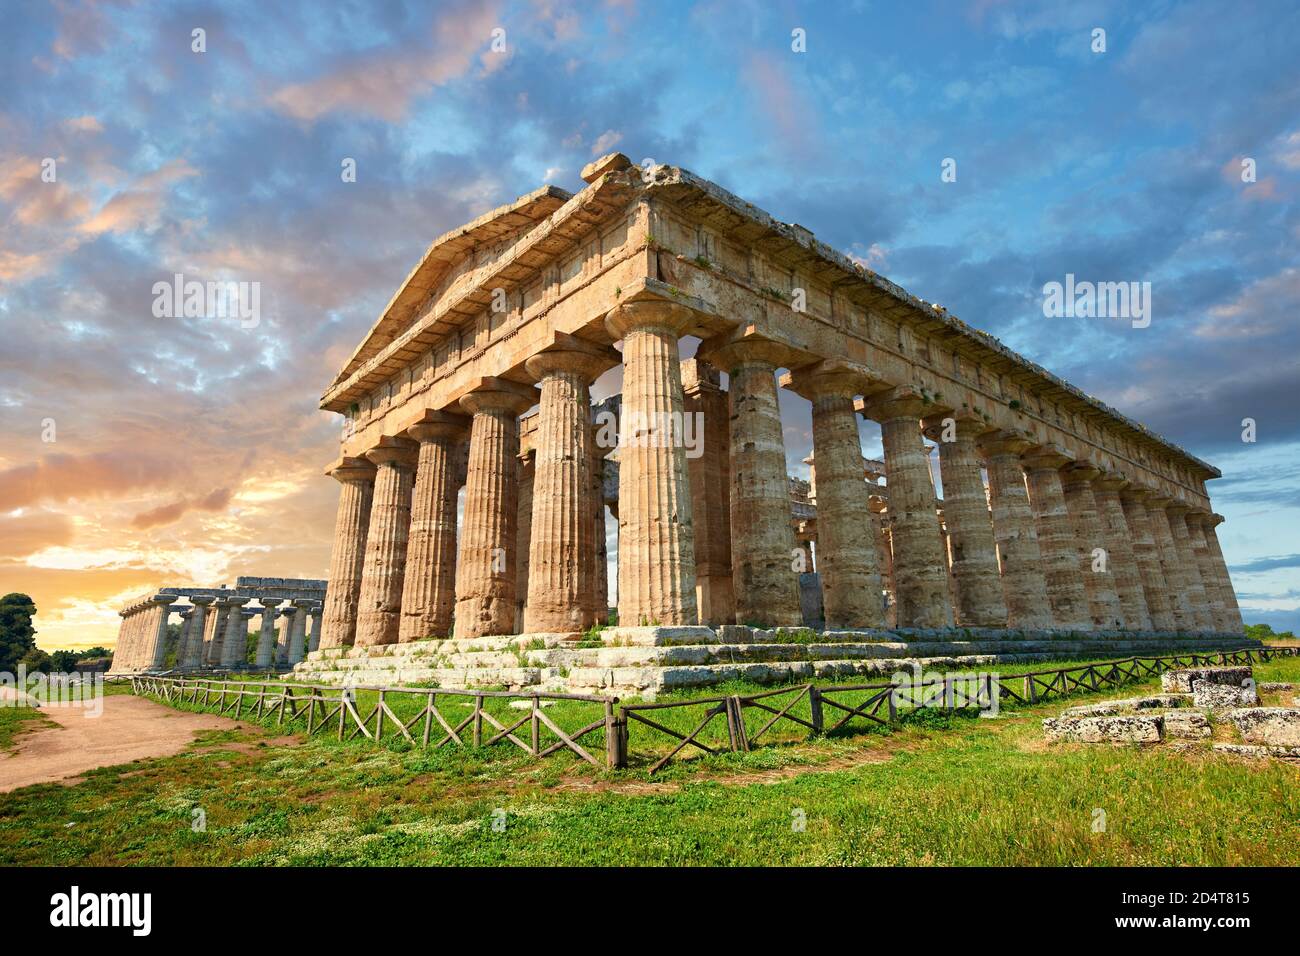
column 658, row 636
column 1125, row 729
column 1124, row 705
column 1275, row 685
column 1180, row 681
column 1257, row 750
column 1186, row 725
column 1214, row 696
column 1272, row 726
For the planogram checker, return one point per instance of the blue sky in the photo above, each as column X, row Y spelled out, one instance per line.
column 192, row 448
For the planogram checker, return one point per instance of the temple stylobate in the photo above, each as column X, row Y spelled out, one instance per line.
column 1054, row 515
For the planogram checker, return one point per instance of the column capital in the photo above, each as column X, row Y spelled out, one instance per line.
column 1079, row 473
column 1178, row 508
column 751, row 346
column 1046, row 457
column 968, row 424
column 289, row 609
column 902, row 401
column 1214, row 520
column 1111, row 481
column 202, row 600
column 351, row 469
column 237, row 600
column 1157, row 500
column 270, row 603
column 658, row 314
column 435, row 425
column 1135, row 492
column 1200, row 518
column 575, row 356
column 500, row 395
column 1004, row 442
column 829, row 377
column 168, row 599
column 398, row 452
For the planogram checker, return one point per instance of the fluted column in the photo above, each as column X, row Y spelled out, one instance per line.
column 710, row 476
column 379, row 604
column 1121, row 551
column 356, row 477
column 284, row 638
column 1147, row 554
column 600, row 584
column 313, row 626
column 193, row 657
column 980, row 601
column 429, row 588
column 561, row 571
column 220, row 621
column 656, row 557
column 527, row 472
column 1178, row 588
column 298, row 635
column 1196, row 595
column 485, row 566
column 1231, row 612
column 1204, row 564
column 920, row 566
column 266, row 636
column 156, row 655
column 1024, row 586
column 187, row 622
column 1065, row 588
column 1104, row 607
column 847, row 559
column 234, row 645
column 884, row 556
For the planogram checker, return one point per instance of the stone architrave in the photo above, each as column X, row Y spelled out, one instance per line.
column 920, row 565
column 429, row 589
column 379, row 605
column 656, row 539
column 1091, row 546
column 1065, row 588
column 356, row 477
column 561, row 546
column 485, row 566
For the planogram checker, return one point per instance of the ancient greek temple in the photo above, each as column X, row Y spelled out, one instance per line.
column 214, row 626
column 1054, row 515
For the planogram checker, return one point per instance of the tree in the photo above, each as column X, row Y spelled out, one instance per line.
column 36, row 660
column 64, row 662
column 17, row 635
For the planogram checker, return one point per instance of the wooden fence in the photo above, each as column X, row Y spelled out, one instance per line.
column 830, row 709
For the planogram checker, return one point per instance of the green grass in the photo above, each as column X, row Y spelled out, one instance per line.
column 16, row 721
column 939, row 789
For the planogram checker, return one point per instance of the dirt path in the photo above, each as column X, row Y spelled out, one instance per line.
column 130, row 728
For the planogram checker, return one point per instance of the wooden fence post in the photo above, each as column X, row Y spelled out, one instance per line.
column 815, row 707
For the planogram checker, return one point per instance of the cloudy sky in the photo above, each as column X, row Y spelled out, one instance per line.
column 140, row 450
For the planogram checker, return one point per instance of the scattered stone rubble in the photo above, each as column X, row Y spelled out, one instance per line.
column 1192, row 699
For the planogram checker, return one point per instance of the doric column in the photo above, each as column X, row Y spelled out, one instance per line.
column 846, row 555
column 1121, row 551
column 156, row 656
column 284, row 639
column 526, row 471
column 1147, row 554
column 429, row 589
column 1231, row 612
column 1205, row 565
column 218, row 640
column 600, row 584
column 656, row 557
column 980, row 601
column 313, row 626
column 485, row 568
column 884, row 555
column 298, row 635
column 1196, row 595
column 234, row 645
column 710, row 476
column 1065, row 588
column 187, row 621
column 379, row 604
column 266, row 636
column 1180, row 602
column 193, row 658
column 356, row 477
column 562, row 538
column 1024, row 586
column 1089, row 537
column 920, row 566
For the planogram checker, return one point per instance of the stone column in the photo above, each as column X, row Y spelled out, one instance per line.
column 1065, row 589
column 1024, row 586
column 1204, row 564
column 884, row 555
column 356, row 476
column 980, row 601
column 187, row 622
column 710, row 477
column 847, row 559
column 1200, row 605
column 600, row 586
column 234, row 646
column 266, row 637
column 298, row 634
column 313, row 627
column 561, row 582
column 920, row 566
column 1147, row 554
column 1231, row 612
column 1090, row 537
column 220, row 620
column 193, row 658
column 1180, row 606
column 429, row 590
column 485, row 568
column 527, row 472
column 656, row 557
column 379, row 605
column 285, row 637
column 1121, row 551
column 156, row 655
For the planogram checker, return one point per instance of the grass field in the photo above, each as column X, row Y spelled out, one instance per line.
column 940, row 789
column 14, row 721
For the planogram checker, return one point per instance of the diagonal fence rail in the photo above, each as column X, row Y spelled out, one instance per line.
column 708, row 725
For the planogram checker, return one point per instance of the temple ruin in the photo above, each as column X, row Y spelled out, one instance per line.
column 1064, row 527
